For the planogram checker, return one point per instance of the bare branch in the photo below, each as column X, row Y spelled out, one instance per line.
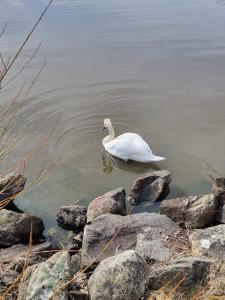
column 24, row 42
column 3, row 30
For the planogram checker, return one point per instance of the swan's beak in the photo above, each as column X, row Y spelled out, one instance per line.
column 104, row 128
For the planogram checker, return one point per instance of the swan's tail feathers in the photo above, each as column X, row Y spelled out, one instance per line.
column 158, row 158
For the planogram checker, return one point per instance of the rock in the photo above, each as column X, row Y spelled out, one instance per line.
column 123, row 230
column 209, row 242
column 42, row 281
column 191, row 211
column 76, row 243
column 150, row 187
column 72, row 217
column 60, row 238
column 13, row 259
column 189, row 275
column 219, row 192
column 123, row 276
column 113, row 202
column 10, row 185
column 16, row 255
column 16, row 227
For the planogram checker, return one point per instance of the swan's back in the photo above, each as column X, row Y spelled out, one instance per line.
column 130, row 146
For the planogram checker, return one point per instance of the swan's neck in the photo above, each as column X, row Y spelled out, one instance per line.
column 110, row 136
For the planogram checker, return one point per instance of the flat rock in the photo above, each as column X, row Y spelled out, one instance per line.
column 13, row 259
column 113, row 202
column 16, row 227
column 10, row 185
column 123, row 276
column 72, row 217
column 191, row 211
column 192, row 271
column 42, row 281
column 209, row 242
column 150, row 187
column 123, row 231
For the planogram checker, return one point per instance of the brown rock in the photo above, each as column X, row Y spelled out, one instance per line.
column 187, row 276
column 16, row 227
column 113, row 202
column 191, row 211
column 10, row 185
column 150, row 187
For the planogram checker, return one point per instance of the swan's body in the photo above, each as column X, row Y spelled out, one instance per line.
column 128, row 146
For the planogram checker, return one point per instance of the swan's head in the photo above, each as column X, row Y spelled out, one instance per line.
column 107, row 124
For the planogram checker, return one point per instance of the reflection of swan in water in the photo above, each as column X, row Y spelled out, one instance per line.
column 128, row 146
column 109, row 163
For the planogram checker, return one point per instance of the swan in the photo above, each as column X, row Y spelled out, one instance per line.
column 128, row 146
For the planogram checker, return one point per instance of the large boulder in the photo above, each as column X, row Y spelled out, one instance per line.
column 150, row 187
column 45, row 280
column 123, row 276
column 16, row 227
column 209, row 242
column 191, row 211
column 72, row 217
column 109, row 234
column 187, row 276
column 10, row 185
column 113, row 202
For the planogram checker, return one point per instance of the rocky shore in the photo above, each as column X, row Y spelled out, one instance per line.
column 114, row 254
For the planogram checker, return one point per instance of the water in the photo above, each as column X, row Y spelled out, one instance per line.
column 154, row 67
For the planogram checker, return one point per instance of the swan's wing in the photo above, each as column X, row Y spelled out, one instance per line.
column 128, row 146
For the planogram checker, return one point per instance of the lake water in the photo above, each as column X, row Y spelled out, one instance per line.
column 154, row 67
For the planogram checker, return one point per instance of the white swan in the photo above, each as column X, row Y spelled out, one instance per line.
column 128, row 146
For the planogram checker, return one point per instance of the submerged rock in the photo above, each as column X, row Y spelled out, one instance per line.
column 150, row 187
column 72, row 217
column 45, row 280
column 123, row 276
column 109, row 234
column 16, row 228
column 10, row 185
column 113, row 202
column 191, row 211
column 187, row 275
column 209, row 242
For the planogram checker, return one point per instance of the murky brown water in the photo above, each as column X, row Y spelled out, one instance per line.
column 154, row 67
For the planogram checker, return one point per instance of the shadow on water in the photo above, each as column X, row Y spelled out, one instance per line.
column 109, row 163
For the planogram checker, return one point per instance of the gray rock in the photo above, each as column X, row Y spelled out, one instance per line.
column 113, row 202
column 16, row 227
column 189, row 275
column 10, row 185
column 150, row 187
column 72, row 217
column 16, row 255
column 123, row 230
column 121, row 277
column 219, row 192
column 12, row 263
column 209, row 242
column 42, row 281
column 191, row 211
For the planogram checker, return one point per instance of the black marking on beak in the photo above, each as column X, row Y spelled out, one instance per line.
column 104, row 128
